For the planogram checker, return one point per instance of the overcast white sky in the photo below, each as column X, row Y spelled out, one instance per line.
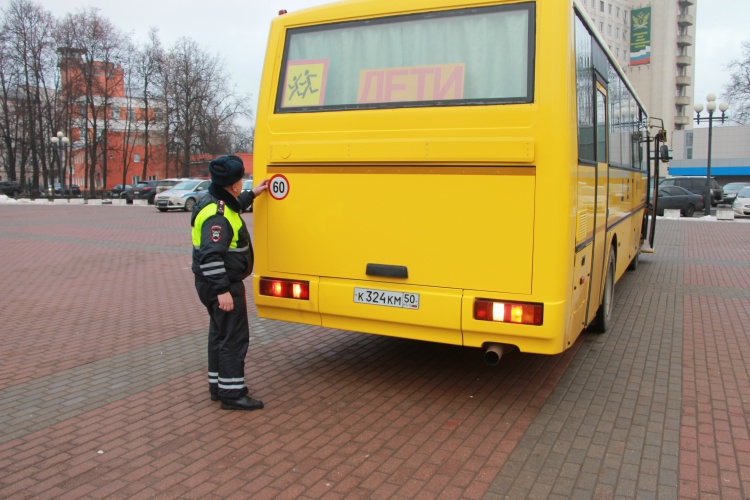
column 237, row 30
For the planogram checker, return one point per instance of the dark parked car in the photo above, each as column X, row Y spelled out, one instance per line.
column 118, row 189
column 675, row 197
column 9, row 188
column 696, row 184
column 144, row 190
column 72, row 190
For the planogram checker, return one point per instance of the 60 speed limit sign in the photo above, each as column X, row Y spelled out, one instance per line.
column 278, row 187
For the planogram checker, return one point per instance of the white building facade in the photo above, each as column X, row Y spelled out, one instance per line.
column 730, row 152
column 654, row 43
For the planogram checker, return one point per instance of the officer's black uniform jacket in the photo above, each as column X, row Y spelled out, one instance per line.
column 222, row 251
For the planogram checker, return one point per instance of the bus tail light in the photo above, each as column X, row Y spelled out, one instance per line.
column 508, row 312
column 285, row 289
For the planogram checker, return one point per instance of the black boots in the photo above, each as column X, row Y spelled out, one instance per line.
column 244, row 403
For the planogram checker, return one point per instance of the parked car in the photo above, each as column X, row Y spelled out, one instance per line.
column 53, row 189
column 182, row 196
column 10, row 188
column 676, row 197
column 144, row 190
column 741, row 204
column 247, row 185
column 72, row 190
column 165, row 184
column 118, row 189
column 731, row 190
column 696, row 184
column 59, row 190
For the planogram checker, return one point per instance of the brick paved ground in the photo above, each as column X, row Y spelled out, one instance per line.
column 103, row 391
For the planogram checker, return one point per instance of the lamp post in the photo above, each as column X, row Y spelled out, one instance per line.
column 59, row 143
column 710, row 108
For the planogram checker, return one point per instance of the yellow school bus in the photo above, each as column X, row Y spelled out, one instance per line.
column 464, row 172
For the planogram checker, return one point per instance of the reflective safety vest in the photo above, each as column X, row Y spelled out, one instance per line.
column 209, row 211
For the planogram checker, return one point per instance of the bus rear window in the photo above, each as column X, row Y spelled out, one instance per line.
column 460, row 57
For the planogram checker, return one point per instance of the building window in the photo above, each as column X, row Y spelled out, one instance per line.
column 136, row 158
column 617, row 32
column 689, row 144
column 601, row 5
column 609, row 9
column 624, row 15
column 609, row 29
column 114, row 113
column 601, row 26
column 618, row 13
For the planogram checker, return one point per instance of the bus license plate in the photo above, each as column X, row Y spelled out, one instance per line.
column 404, row 300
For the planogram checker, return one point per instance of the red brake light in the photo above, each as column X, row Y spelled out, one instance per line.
column 508, row 312
column 286, row 289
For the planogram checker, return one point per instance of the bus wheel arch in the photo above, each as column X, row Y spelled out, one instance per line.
column 604, row 313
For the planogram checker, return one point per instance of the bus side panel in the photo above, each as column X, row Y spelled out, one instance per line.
column 581, row 276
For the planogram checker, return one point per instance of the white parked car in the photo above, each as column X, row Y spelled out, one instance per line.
column 741, row 205
column 182, row 196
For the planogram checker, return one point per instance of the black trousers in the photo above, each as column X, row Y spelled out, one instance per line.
column 228, row 338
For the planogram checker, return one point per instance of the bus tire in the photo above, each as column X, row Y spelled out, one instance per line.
column 604, row 314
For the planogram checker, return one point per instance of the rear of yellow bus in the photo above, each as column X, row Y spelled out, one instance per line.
column 421, row 161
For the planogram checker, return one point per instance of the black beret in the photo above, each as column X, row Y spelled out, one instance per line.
column 226, row 170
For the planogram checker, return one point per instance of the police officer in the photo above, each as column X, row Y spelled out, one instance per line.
column 222, row 258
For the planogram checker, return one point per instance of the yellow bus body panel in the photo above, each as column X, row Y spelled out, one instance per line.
column 343, row 221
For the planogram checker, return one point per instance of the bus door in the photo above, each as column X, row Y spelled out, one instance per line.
column 599, row 260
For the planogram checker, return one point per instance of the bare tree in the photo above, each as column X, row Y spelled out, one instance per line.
column 148, row 68
column 29, row 88
column 11, row 116
column 202, row 111
column 97, row 79
column 190, row 78
column 737, row 91
column 129, row 128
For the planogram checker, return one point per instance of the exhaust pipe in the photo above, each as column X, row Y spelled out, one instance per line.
column 492, row 354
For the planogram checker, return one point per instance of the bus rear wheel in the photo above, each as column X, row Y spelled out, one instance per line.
column 604, row 314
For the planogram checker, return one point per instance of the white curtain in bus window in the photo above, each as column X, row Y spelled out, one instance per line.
column 458, row 56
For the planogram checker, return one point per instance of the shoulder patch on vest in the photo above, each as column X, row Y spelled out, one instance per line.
column 220, row 207
column 215, row 233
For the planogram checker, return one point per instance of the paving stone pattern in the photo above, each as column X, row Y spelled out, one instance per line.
column 103, row 383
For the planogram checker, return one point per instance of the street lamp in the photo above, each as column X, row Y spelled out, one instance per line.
column 59, row 143
column 710, row 107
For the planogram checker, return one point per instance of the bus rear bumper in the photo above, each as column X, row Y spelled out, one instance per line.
column 441, row 315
